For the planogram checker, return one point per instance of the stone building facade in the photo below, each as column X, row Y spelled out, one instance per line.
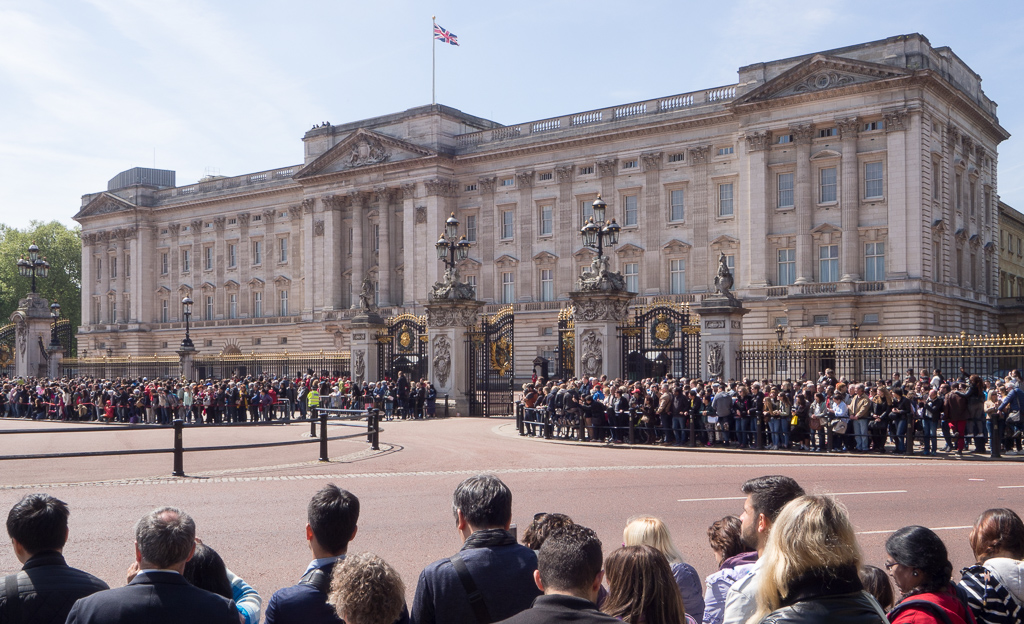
column 851, row 186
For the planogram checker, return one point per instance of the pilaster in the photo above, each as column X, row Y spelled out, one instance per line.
column 525, row 237
column 565, row 230
column 899, row 180
column 654, row 217
column 804, row 205
column 703, row 206
column 849, row 185
column 487, row 233
column 358, row 201
column 384, row 265
column 754, row 259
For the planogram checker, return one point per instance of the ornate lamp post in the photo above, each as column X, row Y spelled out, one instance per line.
column 186, row 310
column 597, row 230
column 854, row 330
column 33, row 266
column 55, row 315
column 780, row 332
column 449, row 249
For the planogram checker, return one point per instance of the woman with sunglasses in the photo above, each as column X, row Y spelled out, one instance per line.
column 918, row 562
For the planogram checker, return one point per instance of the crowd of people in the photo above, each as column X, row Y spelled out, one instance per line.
column 789, row 557
column 245, row 399
column 827, row 415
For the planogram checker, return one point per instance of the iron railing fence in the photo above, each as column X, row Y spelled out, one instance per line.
column 222, row 366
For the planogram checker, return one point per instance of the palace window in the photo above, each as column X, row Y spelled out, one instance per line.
column 282, row 247
column 163, row 263
column 959, row 187
column 164, row 311
column 787, row 266
column 186, row 260
column 828, row 263
column 283, row 301
column 209, row 309
column 113, row 268
column 678, row 207
column 874, row 125
column 376, row 237
column 507, row 224
column 974, row 194
column 673, row 158
column 257, row 252
column 113, row 310
column 127, row 265
column 470, row 188
column 725, row 151
column 586, row 210
column 827, row 185
column 785, row 138
column 826, row 132
column 232, row 255
column 725, row 205
column 547, row 176
column 508, row 287
column 730, row 261
column 208, row 258
column 873, row 180
column 588, row 170
column 547, row 285
column 257, row 305
column 546, row 219
column 630, row 164
column 630, row 210
column 677, row 276
column 233, row 306
column 632, row 274
column 874, row 262
column 785, row 190
column 471, row 228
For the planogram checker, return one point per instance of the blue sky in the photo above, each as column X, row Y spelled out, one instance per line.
column 89, row 88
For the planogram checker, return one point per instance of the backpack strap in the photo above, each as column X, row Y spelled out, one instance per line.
column 316, row 579
column 921, row 605
column 13, row 603
column 476, row 599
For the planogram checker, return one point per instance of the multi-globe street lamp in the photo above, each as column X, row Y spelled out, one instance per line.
column 186, row 310
column 450, row 247
column 33, row 266
column 597, row 230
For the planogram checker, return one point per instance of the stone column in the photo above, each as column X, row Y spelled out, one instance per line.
column 332, row 251
column 219, row 264
column 365, row 361
column 88, row 279
column 903, row 238
column 525, row 237
column 244, row 266
column 804, row 205
column 122, row 312
column 564, row 229
column 597, row 317
column 654, row 219
column 703, row 207
column 849, row 207
column 187, row 363
column 754, row 258
column 305, row 224
column 952, row 136
column 104, row 244
column 56, row 353
column 270, row 258
column 358, row 203
column 447, row 325
column 410, row 248
column 384, row 196
column 31, row 334
column 486, row 235
column 721, row 333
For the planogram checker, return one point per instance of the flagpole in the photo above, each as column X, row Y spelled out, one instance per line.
column 433, row 63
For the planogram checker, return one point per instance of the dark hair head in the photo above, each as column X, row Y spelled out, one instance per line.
column 641, row 587
column 876, row 582
column 165, row 536
column 333, row 514
column 920, row 548
column 769, row 494
column 997, row 530
column 206, row 570
column 541, row 528
column 570, row 559
column 39, row 522
column 485, row 502
column 724, row 536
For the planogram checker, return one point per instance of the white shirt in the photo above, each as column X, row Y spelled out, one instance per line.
column 741, row 601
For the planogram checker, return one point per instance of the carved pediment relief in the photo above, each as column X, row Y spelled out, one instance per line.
column 676, row 246
column 469, row 264
column 231, row 285
column 629, row 250
column 820, row 73
column 163, row 290
column 104, row 203
column 724, row 241
column 545, row 257
column 281, row 280
column 256, row 283
column 363, row 148
column 506, row 261
column 208, row 287
column 584, row 254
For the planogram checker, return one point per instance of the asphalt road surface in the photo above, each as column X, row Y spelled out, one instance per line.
column 250, row 504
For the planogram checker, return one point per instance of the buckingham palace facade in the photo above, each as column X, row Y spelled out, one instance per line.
column 855, row 186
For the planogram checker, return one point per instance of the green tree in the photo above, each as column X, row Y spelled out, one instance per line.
column 62, row 248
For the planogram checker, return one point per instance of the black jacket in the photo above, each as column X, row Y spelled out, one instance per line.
column 559, row 608
column 155, row 598
column 47, row 588
column 836, row 598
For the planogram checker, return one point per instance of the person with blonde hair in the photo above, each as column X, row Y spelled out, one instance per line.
column 809, row 570
column 651, row 531
column 366, row 590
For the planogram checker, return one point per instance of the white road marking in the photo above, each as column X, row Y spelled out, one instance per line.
column 725, row 498
column 956, row 528
column 1010, row 487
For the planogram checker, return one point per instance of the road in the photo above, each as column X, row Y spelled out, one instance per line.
column 250, row 504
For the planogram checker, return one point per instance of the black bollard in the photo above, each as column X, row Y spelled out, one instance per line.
column 632, row 426
column 375, row 437
column 323, row 437
column 995, row 443
column 369, row 424
column 519, row 418
column 446, row 406
column 179, row 451
column 759, row 434
column 693, row 431
column 312, row 421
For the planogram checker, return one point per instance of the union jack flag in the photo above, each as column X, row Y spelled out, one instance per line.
column 445, row 35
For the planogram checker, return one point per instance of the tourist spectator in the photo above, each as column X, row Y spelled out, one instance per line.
column 975, row 396
column 957, row 414
column 766, row 496
column 164, row 541
column 994, row 585
column 733, row 559
column 877, row 583
column 206, row 570
column 809, row 569
column 46, row 587
column 1012, row 406
column 653, row 532
column 569, row 573
column 542, row 526
column 919, row 565
column 641, row 588
column 490, row 564
column 366, row 590
column 931, row 415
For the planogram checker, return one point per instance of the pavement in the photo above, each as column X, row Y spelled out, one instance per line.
column 250, row 504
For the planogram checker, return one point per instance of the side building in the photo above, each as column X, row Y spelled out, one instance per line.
column 855, row 186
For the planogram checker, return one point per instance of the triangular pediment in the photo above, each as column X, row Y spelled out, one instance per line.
column 545, row 256
column 676, row 246
column 363, row 148
column 584, row 253
column 506, row 261
column 104, row 203
column 826, row 228
column 724, row 241
column 820, row 73
column 629, row 249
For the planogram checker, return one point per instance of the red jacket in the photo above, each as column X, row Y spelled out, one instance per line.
column 947, row 599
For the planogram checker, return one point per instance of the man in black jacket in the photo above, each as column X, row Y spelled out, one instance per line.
column 569, row 573
column 165, row 539
column 47, row 586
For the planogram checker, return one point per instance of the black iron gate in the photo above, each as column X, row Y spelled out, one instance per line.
column 566, row 344
column 491, row 365
column 662, row 339
column 62, row 327
column 402, row 346
column 7, row 350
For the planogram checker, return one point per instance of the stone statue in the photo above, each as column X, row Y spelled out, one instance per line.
column 723, row 281
column 366, row 296
column 600, row 277
column 451, row 288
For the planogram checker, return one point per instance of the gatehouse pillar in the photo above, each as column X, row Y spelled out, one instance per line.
column 31, row 335
column 597, row 317
column 365, row 353
column 721, row 328
column 449, row 322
